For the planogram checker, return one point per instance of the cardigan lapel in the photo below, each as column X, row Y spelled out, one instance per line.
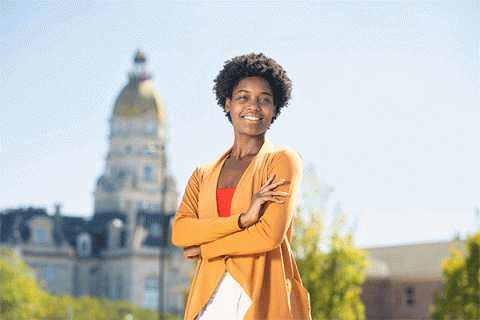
column 211, row 185
column 242, row 196
column 245, row 188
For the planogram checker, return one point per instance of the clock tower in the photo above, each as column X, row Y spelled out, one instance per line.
column 136, row 175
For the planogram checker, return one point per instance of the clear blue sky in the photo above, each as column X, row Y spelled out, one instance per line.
column 385, row 99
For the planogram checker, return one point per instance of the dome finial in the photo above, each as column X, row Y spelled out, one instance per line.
column 139, row 71
column 140, row 56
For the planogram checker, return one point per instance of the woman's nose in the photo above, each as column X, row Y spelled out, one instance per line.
column 254, row 104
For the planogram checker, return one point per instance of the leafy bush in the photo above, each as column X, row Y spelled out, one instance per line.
column 22, row 298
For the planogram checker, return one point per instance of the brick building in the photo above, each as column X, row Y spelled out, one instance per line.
column 401, row 280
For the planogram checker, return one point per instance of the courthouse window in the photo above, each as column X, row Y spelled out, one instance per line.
column 409, row 300
column 119, row 288
column 49, row 273
column 147, row 174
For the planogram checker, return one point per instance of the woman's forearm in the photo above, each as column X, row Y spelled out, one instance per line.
column 188, row 231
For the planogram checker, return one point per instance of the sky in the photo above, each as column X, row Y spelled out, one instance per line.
column 385, row 100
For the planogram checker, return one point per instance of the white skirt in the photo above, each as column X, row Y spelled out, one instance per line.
column 229, row 301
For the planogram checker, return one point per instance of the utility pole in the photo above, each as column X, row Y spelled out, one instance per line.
column 162, row 244
column 163, row 240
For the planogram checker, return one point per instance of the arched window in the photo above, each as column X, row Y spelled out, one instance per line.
column 147, row 173
column 40, row 236
column 150, row 298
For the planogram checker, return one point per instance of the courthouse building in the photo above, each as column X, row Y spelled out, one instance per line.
column 115, row 253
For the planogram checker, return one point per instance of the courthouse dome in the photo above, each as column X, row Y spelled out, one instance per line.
column 139, row 95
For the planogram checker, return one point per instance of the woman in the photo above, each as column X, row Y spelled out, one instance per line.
column 236, row 214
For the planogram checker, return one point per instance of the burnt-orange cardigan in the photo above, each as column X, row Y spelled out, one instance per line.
column 259, row 258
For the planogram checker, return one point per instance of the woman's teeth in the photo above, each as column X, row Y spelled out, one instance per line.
column 251, row 118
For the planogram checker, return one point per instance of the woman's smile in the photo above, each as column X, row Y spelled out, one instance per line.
column 252, row 118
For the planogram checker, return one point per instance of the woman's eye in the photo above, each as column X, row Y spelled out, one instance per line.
column 265, row 100
column 242, row 98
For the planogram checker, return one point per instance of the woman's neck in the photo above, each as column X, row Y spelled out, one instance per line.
column 243, row 146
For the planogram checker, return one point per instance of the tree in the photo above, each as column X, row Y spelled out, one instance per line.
column 20, row 295
column 460, row 297
column 331, row 268
column 22, row 298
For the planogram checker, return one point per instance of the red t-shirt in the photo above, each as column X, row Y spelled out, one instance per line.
column 224, row 201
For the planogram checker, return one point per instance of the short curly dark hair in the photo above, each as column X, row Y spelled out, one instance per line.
column 253, row 65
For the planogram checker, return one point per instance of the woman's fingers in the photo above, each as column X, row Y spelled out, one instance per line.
column 273, row 185
column 279, row 193
column 269, row 184
column 265, row 198
column 192, row 252
column 269, row 180
column 272, row 198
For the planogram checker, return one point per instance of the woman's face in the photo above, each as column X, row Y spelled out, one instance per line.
column 251, row 106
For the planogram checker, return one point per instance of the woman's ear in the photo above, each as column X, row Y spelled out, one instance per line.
column 227, row 105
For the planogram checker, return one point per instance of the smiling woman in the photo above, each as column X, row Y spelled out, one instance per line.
column 236, row 214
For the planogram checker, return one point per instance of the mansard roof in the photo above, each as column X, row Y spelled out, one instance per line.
column 14, row 227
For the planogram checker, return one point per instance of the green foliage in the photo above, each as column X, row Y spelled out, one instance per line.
column 460, row 298
column 22, row 298
column 331, row 268
column 20, row 294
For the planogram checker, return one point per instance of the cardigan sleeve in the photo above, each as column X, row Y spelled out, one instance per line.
column 188, row 230
column 270, row 230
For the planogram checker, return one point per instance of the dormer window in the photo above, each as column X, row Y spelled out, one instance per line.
column 84, row 245
column 40, row 236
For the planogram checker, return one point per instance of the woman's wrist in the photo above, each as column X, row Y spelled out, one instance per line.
column 243, row 221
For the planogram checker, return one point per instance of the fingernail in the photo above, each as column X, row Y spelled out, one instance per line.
column 283, row 179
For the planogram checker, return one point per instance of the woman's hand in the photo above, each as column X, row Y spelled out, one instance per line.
column 193, row 252
column 265, row 194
